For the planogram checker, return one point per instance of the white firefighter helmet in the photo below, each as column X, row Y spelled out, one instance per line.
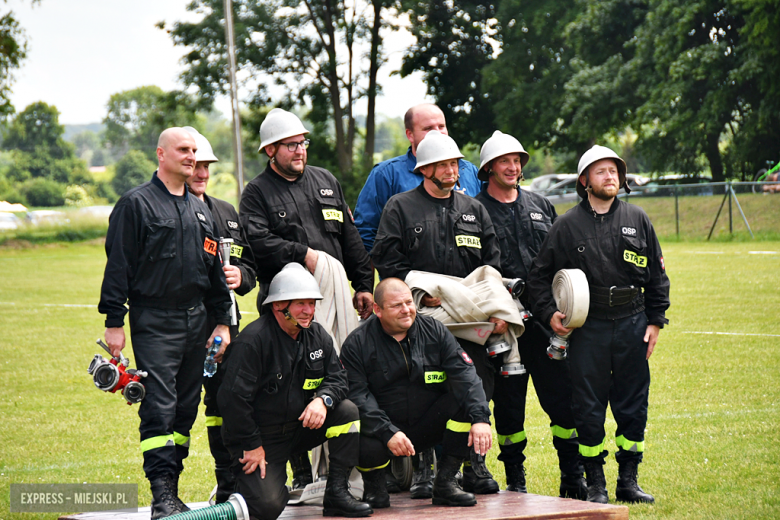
column 279, row 124
column 293, row 282
column 598, row 153
column 499, row 144
column 436, row 147
column 205, row 153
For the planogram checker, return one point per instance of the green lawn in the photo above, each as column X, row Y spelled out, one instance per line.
column 712, row 441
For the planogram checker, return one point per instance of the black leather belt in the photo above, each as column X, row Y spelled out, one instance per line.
column 166, row 305
column 280, row 428
column 613, row 296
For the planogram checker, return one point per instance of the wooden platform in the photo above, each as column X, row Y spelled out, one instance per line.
column 502, row 506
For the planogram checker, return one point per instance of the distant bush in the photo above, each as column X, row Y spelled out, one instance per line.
column 77, row 196
column 132, row 170
column 43, row 192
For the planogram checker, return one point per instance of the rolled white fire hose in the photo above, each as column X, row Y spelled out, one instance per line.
column 572, row 296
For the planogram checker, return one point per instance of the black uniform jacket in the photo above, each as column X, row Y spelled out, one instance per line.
column 270, row 378
column 162, row 253
column 241, row 255
column 618, row 249
column 521, row 227
column 450, row 236
column 387, row 386
column 283, row 219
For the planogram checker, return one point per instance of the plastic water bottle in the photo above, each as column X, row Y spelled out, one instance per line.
column 210, row 365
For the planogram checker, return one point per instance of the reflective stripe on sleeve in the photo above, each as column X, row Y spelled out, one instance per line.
column 458, row 427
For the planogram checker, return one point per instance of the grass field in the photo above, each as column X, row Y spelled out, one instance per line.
column 712, row 442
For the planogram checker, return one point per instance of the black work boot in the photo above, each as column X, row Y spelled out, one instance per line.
column 182, row 506
column 226, row 484
column 301, row 470
column 573, row 485
column 391, row 483
column 164, row 499
column 597, row 484
column 446, row 491
column 476, row 477
column 627, row 489
column 515, row 477
column 338, row 501
column 422, row 480
column 375, row 489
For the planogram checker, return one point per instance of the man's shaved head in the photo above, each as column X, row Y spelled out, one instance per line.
column 423, row 107
column 388, row 285
column 172, row 135
column 421, row 119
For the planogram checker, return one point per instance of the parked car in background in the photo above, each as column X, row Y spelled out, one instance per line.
column 566, row 190
column 9, row 221
column 545, row 182
column 46, row 216
column 684, row 185
column 96, row 211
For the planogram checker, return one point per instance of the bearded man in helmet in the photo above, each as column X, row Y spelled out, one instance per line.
column 436, row 229
column 240, row 277
column 292, row 210
column 615, row 245
column 522, row 220
column 284, row 392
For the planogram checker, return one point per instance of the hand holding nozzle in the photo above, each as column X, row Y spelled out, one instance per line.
column 122, row 359
column 225, row 244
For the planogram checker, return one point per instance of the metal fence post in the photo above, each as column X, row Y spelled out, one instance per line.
column 676, row 212
column 728, row 194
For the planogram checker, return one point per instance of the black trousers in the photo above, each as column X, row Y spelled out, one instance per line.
column 608, row 366
column 444, row 423
column 553, row 387
column 267, row 497
column 482, row 363
column 211, row 387
column 171, row 346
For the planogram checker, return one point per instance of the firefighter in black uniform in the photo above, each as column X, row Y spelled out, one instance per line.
column 290, row 212
column 285, row 392
column 615, row 245
column 432, row 228
column 240, row 277
column 162, row 259
column 522, row 220
column 415, row 387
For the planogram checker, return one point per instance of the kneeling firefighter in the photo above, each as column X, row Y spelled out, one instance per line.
column 285, row 392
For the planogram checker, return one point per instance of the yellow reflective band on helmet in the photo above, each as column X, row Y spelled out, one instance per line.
column 213, row 421
column 563, row 433
column 236, row 251
column 458, row 427
column 435, row 377
column 311, row 384
column 633, row 258
column 157, row 442
column 365, row 470
column 591, row 451
column 468, row 241
column 635, row 446
column 333, row 214
column 181, row 440
column 342, row 429
column 508, row 440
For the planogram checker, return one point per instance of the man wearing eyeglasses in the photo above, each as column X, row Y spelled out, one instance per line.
column 292, row 210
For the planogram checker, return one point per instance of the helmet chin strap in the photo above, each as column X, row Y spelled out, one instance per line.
column 441, row 185
column 289, row 317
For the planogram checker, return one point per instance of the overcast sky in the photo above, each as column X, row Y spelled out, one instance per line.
column 82, row 51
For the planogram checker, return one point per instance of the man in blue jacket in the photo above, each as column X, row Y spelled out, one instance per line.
column 397, row 175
